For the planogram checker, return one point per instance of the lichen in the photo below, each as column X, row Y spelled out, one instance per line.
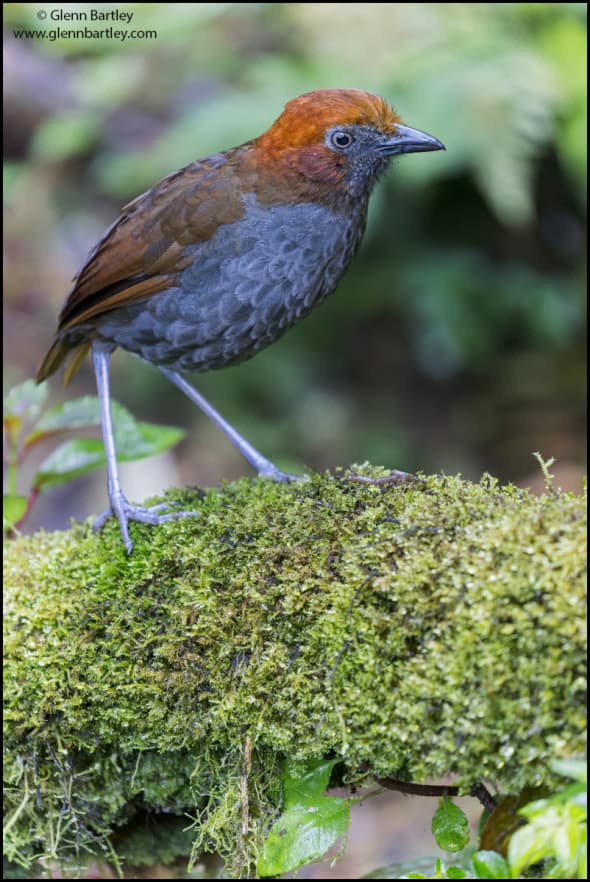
column 435, row 628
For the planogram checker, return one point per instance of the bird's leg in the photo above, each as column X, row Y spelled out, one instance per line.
column 264, row 467
column 119, row 505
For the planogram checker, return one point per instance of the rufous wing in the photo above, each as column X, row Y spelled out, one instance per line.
column 143, row 252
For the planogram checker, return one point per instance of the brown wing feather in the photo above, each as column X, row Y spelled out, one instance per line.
column 142, row 253
column 144, row 250
column 91, row 307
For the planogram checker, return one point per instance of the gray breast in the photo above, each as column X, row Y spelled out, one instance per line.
column 245, row 286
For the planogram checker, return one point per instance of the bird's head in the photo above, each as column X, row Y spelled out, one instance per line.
column 342, row 139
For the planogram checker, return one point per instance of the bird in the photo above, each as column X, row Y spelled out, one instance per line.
column 219, row 258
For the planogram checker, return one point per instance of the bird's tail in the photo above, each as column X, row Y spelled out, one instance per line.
column 58, row 353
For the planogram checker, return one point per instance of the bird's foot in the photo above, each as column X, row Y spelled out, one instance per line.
column 125, row 512
column 270, row 471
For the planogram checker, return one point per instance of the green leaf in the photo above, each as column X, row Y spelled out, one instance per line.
column 419, row 868
column 305, row 782
column 570, row 768
column 75, row 414
column 490, row 865
column 575, row 794
column 525, row 848
column 310, row 823
column 13, row 509
column 132, row 438
column 563, row 42
column 450, row 826
column 559, row 832
column 303, row 834
column 138, row 440
column 12, row 427
column 539, row 806
column 80, row 455
column 69, row 460
column 457, row 873
column 22, row 402
column 25, row 400
column 67, row 134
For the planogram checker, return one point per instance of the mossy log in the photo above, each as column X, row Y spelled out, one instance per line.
column 417, row 631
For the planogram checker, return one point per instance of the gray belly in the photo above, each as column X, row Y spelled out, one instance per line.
column 246, row 285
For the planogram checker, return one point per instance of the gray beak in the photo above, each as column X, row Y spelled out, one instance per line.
column 407, row 140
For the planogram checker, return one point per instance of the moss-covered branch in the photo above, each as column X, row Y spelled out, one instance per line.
column 430, row 629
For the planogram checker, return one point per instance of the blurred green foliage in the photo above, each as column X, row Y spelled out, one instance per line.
column 26, row 425
column 455, row 340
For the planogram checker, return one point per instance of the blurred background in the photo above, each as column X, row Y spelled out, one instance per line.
column 455, row 341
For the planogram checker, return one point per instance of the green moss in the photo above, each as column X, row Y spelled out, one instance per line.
column 431, row 629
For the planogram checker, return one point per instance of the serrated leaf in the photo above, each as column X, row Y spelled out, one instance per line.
column 490, row 865
column 69, row 460
column 138, row 440
column 450, row 826
column 75, row 414
column 305, row 781
column 131, row 437
column 13, row 509
column 310, row 823
column 303, row 834
column 81, row 455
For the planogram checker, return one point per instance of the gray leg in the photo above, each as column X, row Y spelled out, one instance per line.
column 119, row 505
column 264, row 467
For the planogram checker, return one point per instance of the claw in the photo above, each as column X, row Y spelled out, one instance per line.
column 275, row 474
column 126, row 512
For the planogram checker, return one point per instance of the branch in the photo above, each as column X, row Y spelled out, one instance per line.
column 416, row 631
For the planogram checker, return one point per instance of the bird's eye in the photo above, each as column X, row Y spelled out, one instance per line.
column 341, row 140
